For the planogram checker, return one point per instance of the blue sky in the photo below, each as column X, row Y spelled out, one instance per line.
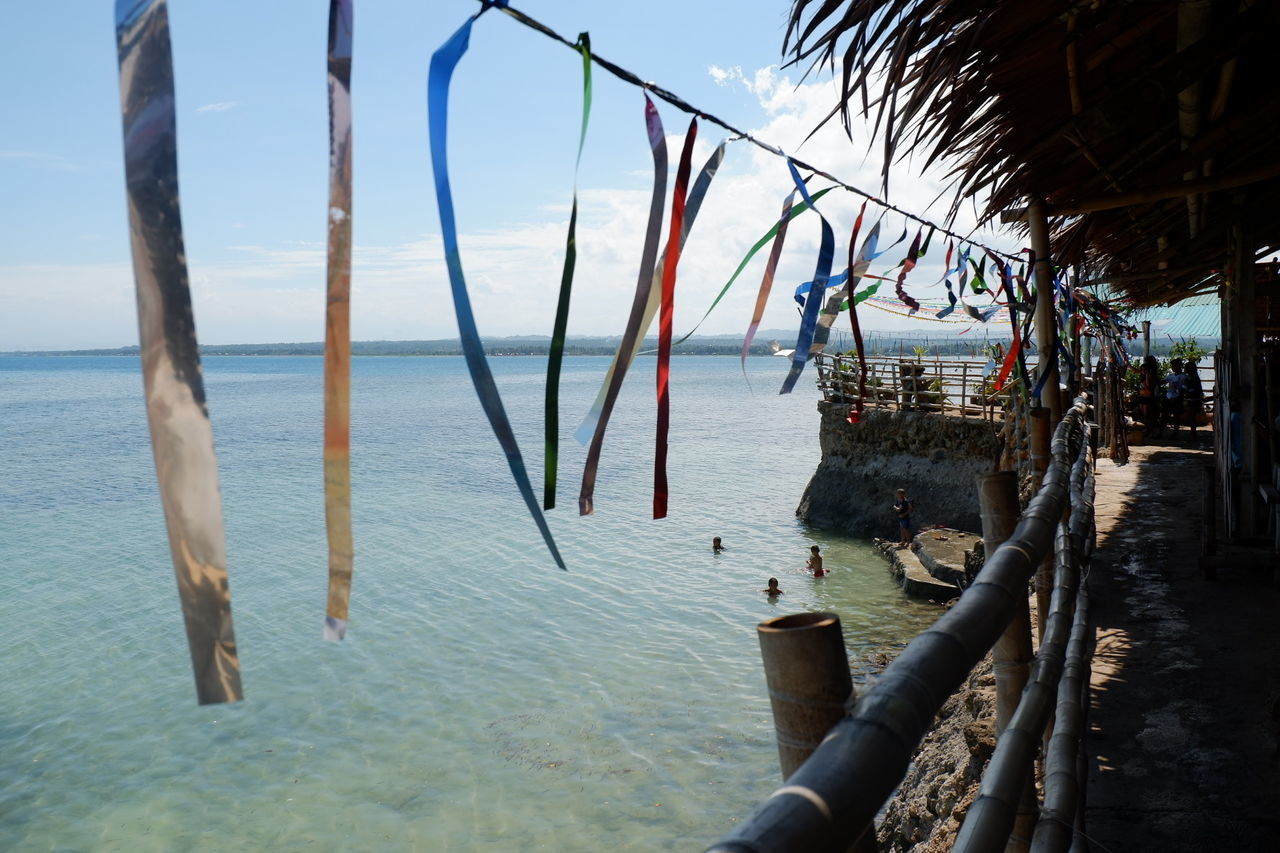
column 253, row 159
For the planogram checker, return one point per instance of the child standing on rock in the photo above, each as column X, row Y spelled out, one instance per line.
column 902, row 508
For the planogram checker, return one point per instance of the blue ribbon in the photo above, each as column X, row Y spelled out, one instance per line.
column 812, row 305
column 834, row 281
column 443, row 61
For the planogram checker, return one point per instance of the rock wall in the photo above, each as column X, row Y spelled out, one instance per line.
column 925, row 813
column 934, row 457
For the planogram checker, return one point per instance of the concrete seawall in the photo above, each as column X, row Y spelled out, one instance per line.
column 935, row 458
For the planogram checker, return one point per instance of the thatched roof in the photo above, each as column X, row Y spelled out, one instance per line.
column 1104, row 109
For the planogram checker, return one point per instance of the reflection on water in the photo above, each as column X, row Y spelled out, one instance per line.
column 482, row 697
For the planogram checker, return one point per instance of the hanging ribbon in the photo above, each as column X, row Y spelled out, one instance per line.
column 946, row 279
column 181, row 434
column 665, row 316
column 766, row 282
column 606, row 397
column 908, row 264
column 1027, row 307
column 865, row 262
column 836, row 301
column 858, row 268
column 634, row 332
column 822, row 272
column 555, row 358
column 979, row 284
column 443, row 62
column 622, row 359
column 1010, row 359
column 802, row 290
column 751, row 253
column 337, row 328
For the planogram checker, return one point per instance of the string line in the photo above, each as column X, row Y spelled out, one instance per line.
column 683, row 105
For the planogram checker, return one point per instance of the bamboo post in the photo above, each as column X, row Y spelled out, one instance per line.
column 1244, row 348
column 1064, row 778
column 991, row 821
column 807, row 672
column 1040, row 432
column 1045, row 321
column 1012, row 653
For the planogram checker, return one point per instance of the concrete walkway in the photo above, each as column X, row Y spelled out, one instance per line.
column 1185, row 709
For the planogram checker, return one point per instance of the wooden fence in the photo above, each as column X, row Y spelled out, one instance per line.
column 831, row 799
column 928, row 385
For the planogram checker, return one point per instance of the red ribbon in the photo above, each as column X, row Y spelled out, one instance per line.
column 1009, row 360
column 908, row 264
column 665, row 314
column 856, row 415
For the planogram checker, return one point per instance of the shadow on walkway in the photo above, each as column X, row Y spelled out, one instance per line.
column 1182, row 741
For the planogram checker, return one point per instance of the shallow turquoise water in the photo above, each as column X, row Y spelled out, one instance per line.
column 483, row 700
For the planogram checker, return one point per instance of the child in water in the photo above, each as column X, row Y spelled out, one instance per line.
column 772, row 590
column 716, row 547
column 815, row 562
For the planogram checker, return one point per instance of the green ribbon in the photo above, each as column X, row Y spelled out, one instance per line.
column 556, row 356
column 769, row 235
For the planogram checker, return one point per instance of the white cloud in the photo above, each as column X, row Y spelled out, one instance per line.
column 723, row 76
column 253, row 293
column 218, row 107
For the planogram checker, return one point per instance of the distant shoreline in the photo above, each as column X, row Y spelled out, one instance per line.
column 459, row 354
column 537, row 345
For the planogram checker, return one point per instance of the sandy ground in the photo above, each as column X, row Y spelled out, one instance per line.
column 1185, row 706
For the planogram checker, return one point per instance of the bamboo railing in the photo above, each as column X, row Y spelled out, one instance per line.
column 831, row 798
column 954, row 387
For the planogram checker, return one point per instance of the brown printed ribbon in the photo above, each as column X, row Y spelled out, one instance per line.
column 337, row 328
column 181, row 434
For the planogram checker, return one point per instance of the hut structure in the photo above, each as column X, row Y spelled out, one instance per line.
column 1134, row 143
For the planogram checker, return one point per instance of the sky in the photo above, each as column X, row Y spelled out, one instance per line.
column 253, row 169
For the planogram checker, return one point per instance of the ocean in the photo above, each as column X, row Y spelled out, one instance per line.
column 483, row 699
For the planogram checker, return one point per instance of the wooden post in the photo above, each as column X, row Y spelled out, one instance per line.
column 1146, row 338
column 807, row 672
column 1073, row 338
column 1012, row 653
column 1244, row 334
column 964, row 388
column 1045, row 321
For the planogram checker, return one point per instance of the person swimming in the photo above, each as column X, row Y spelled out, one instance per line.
column 772, row 590
column 716, row 547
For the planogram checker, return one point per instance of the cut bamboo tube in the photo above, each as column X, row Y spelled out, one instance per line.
column 807, row 672
column 808, row 677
